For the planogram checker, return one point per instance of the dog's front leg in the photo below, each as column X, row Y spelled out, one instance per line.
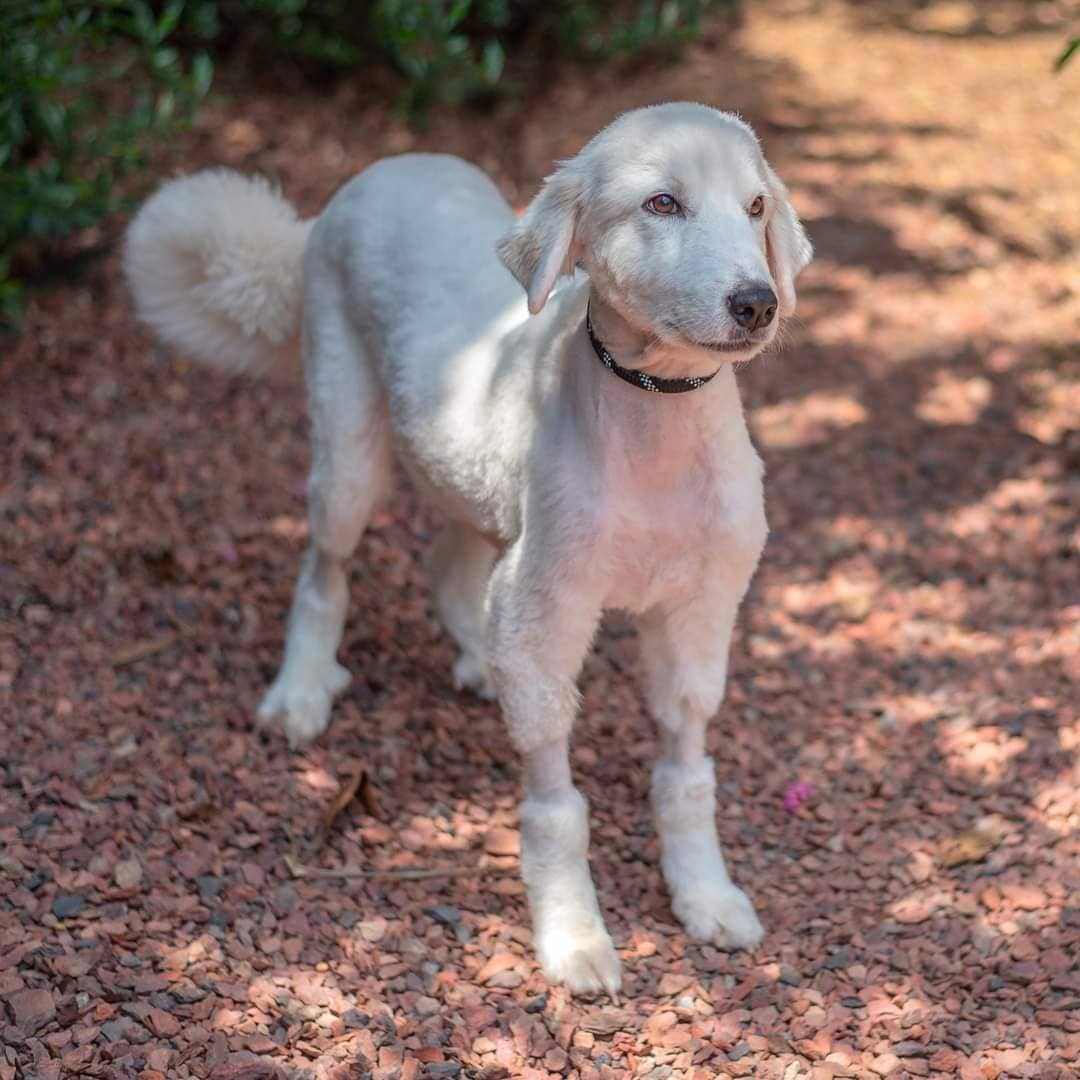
column 685, row 655
column 539, row 630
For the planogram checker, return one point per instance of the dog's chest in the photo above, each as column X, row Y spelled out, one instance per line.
column 670, row 533
column 647, row 561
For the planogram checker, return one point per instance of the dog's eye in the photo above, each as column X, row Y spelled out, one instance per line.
column 662, row 204
column 757, row 207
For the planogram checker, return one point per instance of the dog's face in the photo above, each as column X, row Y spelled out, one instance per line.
column 681, row 225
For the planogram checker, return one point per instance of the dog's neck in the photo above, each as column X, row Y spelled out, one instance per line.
column 637, row 349
column 658, row 434
column 626, row 343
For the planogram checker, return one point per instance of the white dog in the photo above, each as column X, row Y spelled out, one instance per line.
column 589, row 451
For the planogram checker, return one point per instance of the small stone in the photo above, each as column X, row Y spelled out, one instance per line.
column 32, row 1009
column 673, row 983
column 915, row 909
column 159, row 1058
column 884, row 1064
column 427, row 1006
column 253, row 874
column 506, row 980
column 162, row 1023
column 502, row 841
column 128, row 873
column 284, row 900
column 910, row 1049
column 373, row 930
column 66, row 906
column 210, row 887
column 945, row 1060
column 450, row 916
column 555, row 1060
column 1008, row 1061
column 607, row 1022
column 659, row 1024
column 789, row 976
column 1024, row 897
column 445, row 914
column 186, row 993
column 125, row 1030
column 839, row 960
column 498, row 963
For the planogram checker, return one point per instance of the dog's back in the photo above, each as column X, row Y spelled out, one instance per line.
column 216, row 262
column 412, row 239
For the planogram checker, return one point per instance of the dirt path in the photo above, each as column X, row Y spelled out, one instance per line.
column 909, row 647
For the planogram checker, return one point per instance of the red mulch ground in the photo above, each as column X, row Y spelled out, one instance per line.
column 909, row 648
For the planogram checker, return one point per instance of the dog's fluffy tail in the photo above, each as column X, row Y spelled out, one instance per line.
column 214, row 262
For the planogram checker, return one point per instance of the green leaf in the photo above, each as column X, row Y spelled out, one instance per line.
column 170, row 18
column 165, row 58
column 1067, row 54
column 458, row 10
column 202, row 74
column 492, row 62
column 145, row 26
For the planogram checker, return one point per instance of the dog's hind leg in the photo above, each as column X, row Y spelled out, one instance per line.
column 461, row 563
column 350, row 471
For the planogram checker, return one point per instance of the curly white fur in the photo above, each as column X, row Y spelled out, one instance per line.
column 215, row 265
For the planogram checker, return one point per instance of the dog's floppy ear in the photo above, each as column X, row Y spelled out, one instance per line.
column 787, row 245
column 541, row 247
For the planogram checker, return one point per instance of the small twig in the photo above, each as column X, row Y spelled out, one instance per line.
column 345, row 794
column 140, row 650
column 370, row 799
column 403, row 873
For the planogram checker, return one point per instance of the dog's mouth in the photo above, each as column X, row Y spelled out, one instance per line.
column 736, row 344
column 739, row 345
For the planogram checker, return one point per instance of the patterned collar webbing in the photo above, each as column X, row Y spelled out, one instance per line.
column 640, row 379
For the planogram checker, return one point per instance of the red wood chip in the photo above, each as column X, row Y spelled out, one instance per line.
column 498, row 963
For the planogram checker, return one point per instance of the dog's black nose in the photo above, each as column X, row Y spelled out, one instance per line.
column 753, row 307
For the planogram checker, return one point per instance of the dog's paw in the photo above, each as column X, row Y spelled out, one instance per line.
column 585, row 959
column 301, row 707
column 471, row 673
column 722, row 915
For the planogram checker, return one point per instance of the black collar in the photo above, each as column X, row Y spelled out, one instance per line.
column 640, row 379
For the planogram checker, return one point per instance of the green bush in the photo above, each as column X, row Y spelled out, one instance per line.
column 452, row 50
column 83, row 85
column 602, row 30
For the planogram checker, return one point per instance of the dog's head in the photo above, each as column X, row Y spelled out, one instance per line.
column 681, row 225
